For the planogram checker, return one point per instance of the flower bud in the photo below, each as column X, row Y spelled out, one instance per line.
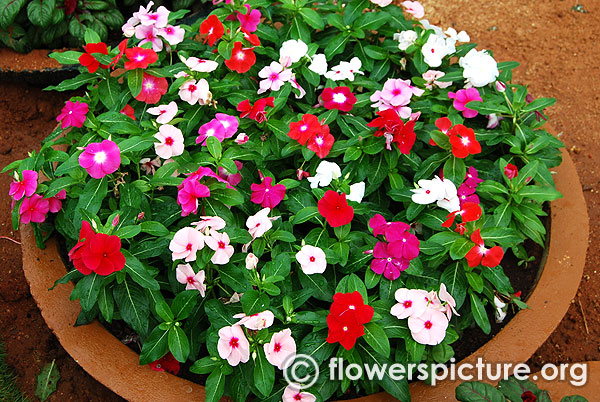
column 141, row 216
column 115, row 221
column 251, row 261
column 511, row 171
column 242, row 138
column 500, row 86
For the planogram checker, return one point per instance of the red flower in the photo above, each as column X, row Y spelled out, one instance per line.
column 256, row 111
column 511, row 171
column 267, row 195
column 242, row 59
column 340, row 98
column 346, row 319
column 166, row 363
column 89, row 61
column 460, row 228
column 321, row 143
column 128, row 111
column 139, row 57
column 469, row 212
column 391, row 126
column 528, row 396
column 85, row 234
column 444, row 124
column 213, row 28
column 122, row 47
column 250, row 37
column 335, row 209
column 96, row 252
column 463, row 141
column 307, row 127
column 481, row 255
column 152, row 89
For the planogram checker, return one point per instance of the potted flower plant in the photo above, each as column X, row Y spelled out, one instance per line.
column 327, row 179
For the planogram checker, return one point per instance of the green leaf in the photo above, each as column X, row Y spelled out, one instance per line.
column 539, row 193
column 154, row 228
column 106, row 303
column 68, row 57
column 206, row 365
column 488, row 108
column 503, row 236
column 475, row 281
column 128, row 232
column 91, row 198
column 45, row 382
column 88, row 289
column 59, row 184
column 264, row 373
column 253, row 302
column 371, row 21
column 456, row 282
column 9, row 9
column 377, row 339
column 183, row 304
column 133, row 306
column 109, row 92
column 179, row 345
column 479, row 313
column 442, row 353
column 455, row 170
column 215, row 385
column 73, row 83
column 227, row 196
column 460, row 248
column 539, row 104
column 134, row 81
column 155, row 346
column 214, row 147
column 473, row 391
column 305, row 214
column 39, row 12
column 138, row 272
column 352, row 283
column 336, row 46
column 312, row 18
column 91, row 36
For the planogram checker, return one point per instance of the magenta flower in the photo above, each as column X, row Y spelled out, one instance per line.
column 230, row 124
column 464, row 96
column 403, row 244
column 233, row 179
column 25, row 187
column 250, row 20
column 100, row 158
column 340, row 98
column 467, row 194
column 267, row 195
column 386, row 263
column 189, row 192
column 73, row 114
column 55, row 202
column 206, row 172
column 381, row 227
column 472, row 179
column 213, row 128
column 34, row 209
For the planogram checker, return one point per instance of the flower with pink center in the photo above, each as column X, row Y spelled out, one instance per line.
column 34, row 209
column 170, row 141
column 186, row 276
column 274, row 76
column 292, row 393
column 267, row 195
column 257, row 321
column 209, row 222
column 432, row 76
column 200, row 65
column 56, row 201
column 281, row 351
column 301, row 91
column 230, row 124
column 73, row 114
column 414, row 8
column 250, row 20
column 165, row 113
column 189, row 192
column 398, row 92
column 403, row 244
column 467, row 194
column 186, row 243
column 411, row 302
column 220, row 243
column 149, row 33
column 428, row 328
column 195, row 92
column 340, row 98
column 149, row 165
column 24, row 188
column 251, row 261
column 152, row 89
column 233, row 345
column 312, row 260
column 259, row 223
column 464, row 96
column 158, row 18
column 241, row 138
column 446, row 297
column 213, row 128
column 172, row 34
column 386, row 263
column 232, row 178
column 100, row 158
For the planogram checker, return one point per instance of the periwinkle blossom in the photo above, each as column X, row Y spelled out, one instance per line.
column 281, row 350
column 442, row 191
column 165, row 113
column 384, row 262
column 232, row 178
column 100, row 158
column 414, row 8
column 219, row 242
column 405, row 39
column 189, row 193
column 73, row 114
column 230, row 124
column 170, row 141
column 432, row 76
column 186, row 243
column 233, row 345
column 345, row 70
column 318, row 64
column 25, row 187
column 55, row 202
column 209, row 222
column 172, row 34
column 193, row 92
column 293, row 393
column 186, row 276
column 274, row 76
column 149, row 34
column 158, row 18
column 479, row 68
column 251, row 261
column 250, row 20
column 200, row 65
column 436, row 48
column 410, row 302
column 213, row 128
column 357, row 192
column 259, row 223
column 292, row 51
column 326, row 172
column 312, row 260
column 464, row 96
column 256, row 322
column 428, row 328
column 266, row 194
column 149, row 165
column 34, row 209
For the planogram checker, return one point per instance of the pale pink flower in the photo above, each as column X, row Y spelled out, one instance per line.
column 233, row 345
column 220, row 243
column 100, row 158
column 241, row 139
column 429, row 328
column 200, row 65
column 172, row 34
column 382, row 3
column 274, row 77
column 257, row 321
column 165, row 113
column 280, row 352
column 186, row 243
column 312, row 260
column 149, row 33
column 414, row 8
column 259, row 223
column 251, row 261
column 24, row 188
column 292, row 392
column 209, row 222
column 129, row 27
column 397, row 92
column 411, row 302
column 185, row 275
column 170, row 141
column 149, row 165
column 158, row 18
column 450, row 306
column 298, row 87
column 431, row 76
column 195, row 92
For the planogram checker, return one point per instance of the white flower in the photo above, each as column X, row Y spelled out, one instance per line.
column 165, row 113
column 429, row 191
column 405, row 39
column 357, row 192
column 319, row 64
column 500, row 312
column 450, row 201
column 256, row 321
column 326, row 172
column 382, row 3
column 195, row 92
column 461, row 36
column 436, row 48
column 345, row 70
column 292, row 51
column 259, row 223
column 200, row 65
column 436, row 30
column 251, row 261
column 480, row 69
column 312, row 260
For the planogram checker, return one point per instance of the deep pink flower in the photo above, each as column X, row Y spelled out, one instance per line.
column 25, row 187
column 232, row 178
column 55, row 202
column 510, row 171
column 34, row 209
column 100, row 158
column 464, row 96
column 472, row 178
column 467, row 194
column 250, row 20
column 382, row 227
column 403, row 244
column 340, row 98
column 152, row 89
column 73, row 114
column 213, row 128
column 267, row 195
column 230, row 124
column 386, row 263
column 189, row 192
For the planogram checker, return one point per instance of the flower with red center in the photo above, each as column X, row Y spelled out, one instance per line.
column 480, row 255
column 152, row 89
column 281, row 350
column 128, row 111
column 322, row 142
column 463, row 141
column 122, row 46
column 233, row 345
column 304, row 129
column 511, row 171
column 213, row 28
column 242, row 59
column 346, row 319
column 429, row 328
column 250, row 20
column 103, row 254
column 88, row 60
column 186, row 243
column 292, row 394
column 267, row 195
column 25, row 187
column 340, row 98
column 73, row 114
column 335, row 209
column 411, row 302
column 256, row 111
column 193, row 281
column 464, row 96
column 100, row 158
column 469, row 212
column 56, row 201
column 220, row 243
column 138, row 57
column 386, row 263
column 166, row 363
column 34, row 209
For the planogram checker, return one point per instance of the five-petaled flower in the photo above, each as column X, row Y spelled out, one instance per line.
column 152, row 89
column 266, row 194
column 322, row 142
column 242, row 59
column 138, row 57
column 280, row 352
column 233, row 345
column 166, row 363
column 304, row 129
column 96, row 252
column 511, row 171
column 185, row 275
column 25, row 187
column 213, row 28
column 170, row 141
column 256, row 111
column 346, row 319
column 34, row 209
column 464, row 96
column 335, row 209
column 463, row 141
column 479, row 254
column 100, row 158
column 340, row 98
column 312, row 260
column 73, row 114
column 88, row 60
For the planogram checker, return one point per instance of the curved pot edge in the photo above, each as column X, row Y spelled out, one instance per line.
column 88, row 344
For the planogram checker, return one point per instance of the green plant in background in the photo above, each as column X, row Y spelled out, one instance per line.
column 511, row 390
column 8, row 387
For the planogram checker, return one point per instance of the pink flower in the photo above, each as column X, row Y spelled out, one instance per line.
column 464, row 96
column 170, row 141
column 386, row 263
column 233, row 345
column 472, row 178
column 432, row 76
column 152, row 89
column 34, row 209
column 381, row 227
column 25, row 187
column 292, row 394
column 172, row 34
column 251, row 261
column 340, row 98
column 159, row 18
column 241, row 139
column 398, row 92
column 403, row 244
column 510, row 171
column 274, row 77
column 232, row 178
column 382, row 3
column 257, row 321
column 259, row 223
column 280, row 352
column 165, row 113
column 100, row 158
column 267, row 195
column 250, row 20
column 428, row 328
column 467, row 194
column 186, row 243
column 149, row 165
column 411, row 302
column 200, row 65
column 220, row 243
column 415, row 8
column 206, row 172
column 312, row 260
column 185, row 275
column 195, row 92
column 149, row 34
column 189, row 192
column 213, row 128
column 209, row 222
column 450, row 306
column 55, row 202
column 230, row 124
column 73, row 114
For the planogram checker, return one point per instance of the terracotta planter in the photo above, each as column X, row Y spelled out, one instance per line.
column 116, row 366
column 35, row 67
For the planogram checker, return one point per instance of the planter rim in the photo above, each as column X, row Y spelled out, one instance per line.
column 88, row 344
